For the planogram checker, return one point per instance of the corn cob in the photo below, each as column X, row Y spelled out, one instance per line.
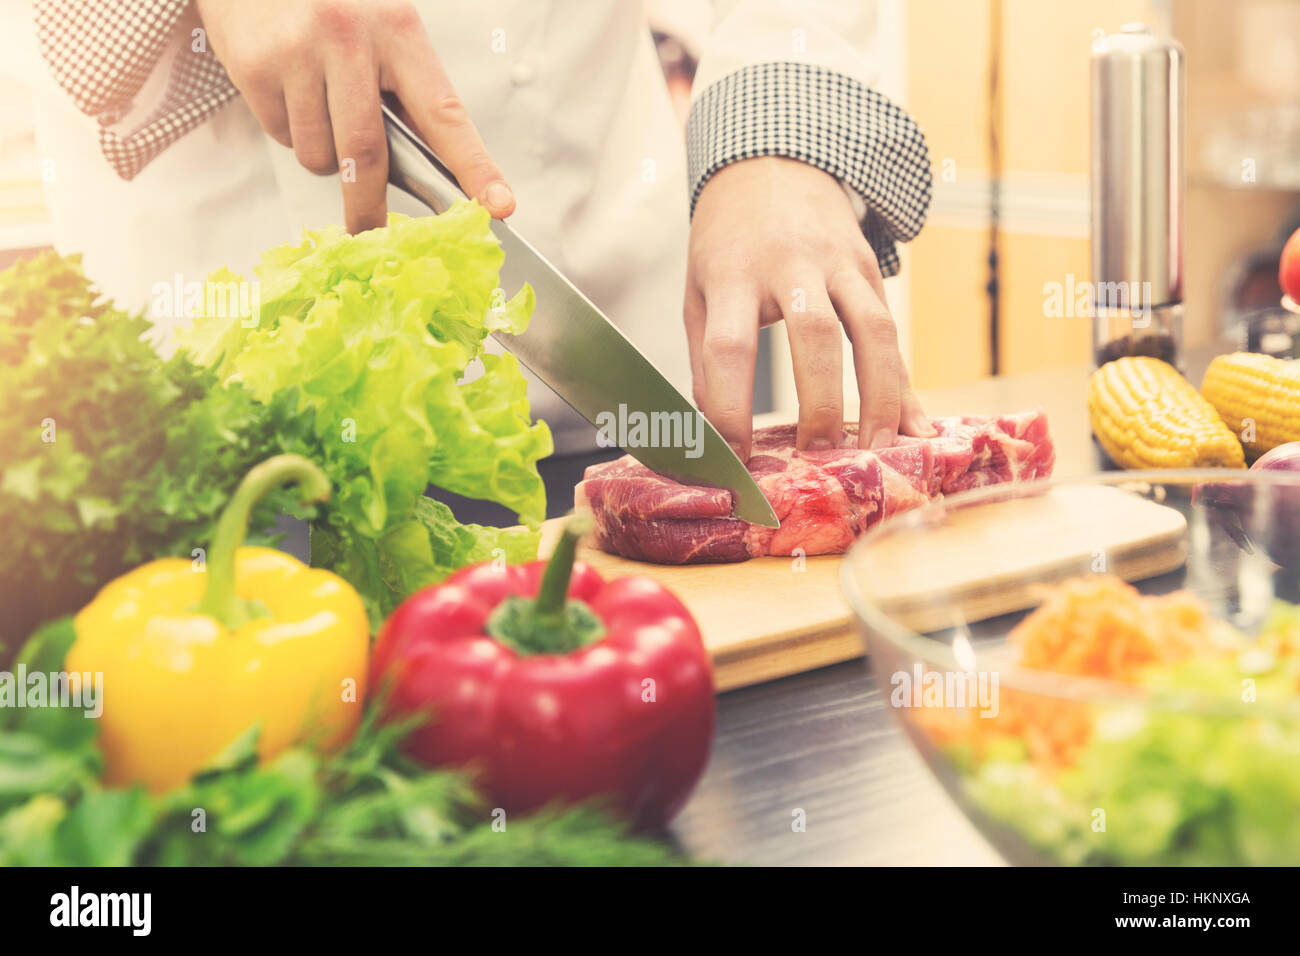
column 1257, row 396
column 1146, row 415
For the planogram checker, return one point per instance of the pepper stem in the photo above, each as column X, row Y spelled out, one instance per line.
column 220, row 600
column 552, row 622
column 554, row 587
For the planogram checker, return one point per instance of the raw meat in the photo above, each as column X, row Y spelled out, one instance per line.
column 824, row 499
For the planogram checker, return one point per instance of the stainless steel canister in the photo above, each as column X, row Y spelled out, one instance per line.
column 1137, row 194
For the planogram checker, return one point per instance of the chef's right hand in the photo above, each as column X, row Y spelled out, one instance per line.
column 312, row 72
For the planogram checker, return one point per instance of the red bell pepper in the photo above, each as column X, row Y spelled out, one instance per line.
column 606, row 692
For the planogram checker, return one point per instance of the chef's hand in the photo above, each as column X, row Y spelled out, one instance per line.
column 312, row 71
column 775, row 238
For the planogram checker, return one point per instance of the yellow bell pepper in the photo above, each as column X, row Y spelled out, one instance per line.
column 192, row 657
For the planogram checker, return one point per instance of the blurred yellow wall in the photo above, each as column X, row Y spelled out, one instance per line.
column 947, row 92
column 1043, row 130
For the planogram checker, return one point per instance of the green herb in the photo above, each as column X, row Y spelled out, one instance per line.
column 110, row 456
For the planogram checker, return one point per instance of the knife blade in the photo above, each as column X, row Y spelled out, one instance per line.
column 580, row 354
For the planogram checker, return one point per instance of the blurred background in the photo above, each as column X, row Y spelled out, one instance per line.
column 1001, row 88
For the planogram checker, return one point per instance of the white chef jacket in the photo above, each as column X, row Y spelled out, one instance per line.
column 569, row 98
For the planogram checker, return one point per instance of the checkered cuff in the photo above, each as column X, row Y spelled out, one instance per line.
column 101, row 54
column 828, row 120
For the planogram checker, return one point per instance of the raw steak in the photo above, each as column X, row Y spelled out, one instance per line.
column 824, row 499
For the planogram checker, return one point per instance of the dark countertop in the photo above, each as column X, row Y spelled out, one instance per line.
column 825, row 743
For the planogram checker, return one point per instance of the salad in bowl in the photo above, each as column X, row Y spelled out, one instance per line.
column 1103, row 671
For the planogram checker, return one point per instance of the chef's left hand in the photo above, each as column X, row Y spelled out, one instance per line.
column 775, row 238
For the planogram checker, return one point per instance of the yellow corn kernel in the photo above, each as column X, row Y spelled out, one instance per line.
column 1146, row 415
column 1257, row 396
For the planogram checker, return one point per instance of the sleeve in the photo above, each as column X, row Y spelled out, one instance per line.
column 142, row 68
column 778, row 78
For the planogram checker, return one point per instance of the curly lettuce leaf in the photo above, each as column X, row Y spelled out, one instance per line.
column 374, row 334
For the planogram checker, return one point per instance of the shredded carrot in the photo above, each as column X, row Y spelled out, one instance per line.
column 1102, row 627
column 1095, row 627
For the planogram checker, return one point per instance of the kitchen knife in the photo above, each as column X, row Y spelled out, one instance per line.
column 572, row 347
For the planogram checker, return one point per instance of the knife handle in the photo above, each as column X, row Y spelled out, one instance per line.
column 414, row 169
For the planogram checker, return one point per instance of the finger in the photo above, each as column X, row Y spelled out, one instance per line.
column 728, row 351
column 310, row 130
column 876, row 362
column 267, row 103
column 913, row 420
column 871, row 271
column 693, row 313
column 352, row 93
column 439, row 115
column 817, row 354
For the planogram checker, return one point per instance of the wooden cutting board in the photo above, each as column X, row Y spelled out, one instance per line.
column 771, row 617
column 1068, row 531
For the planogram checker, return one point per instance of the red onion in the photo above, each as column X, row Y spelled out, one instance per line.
column 1282, row 458
column 1259, row 514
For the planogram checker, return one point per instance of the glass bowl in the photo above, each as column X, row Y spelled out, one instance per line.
column 1111, row 728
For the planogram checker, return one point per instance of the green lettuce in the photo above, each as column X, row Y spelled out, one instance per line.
column 373, row 335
